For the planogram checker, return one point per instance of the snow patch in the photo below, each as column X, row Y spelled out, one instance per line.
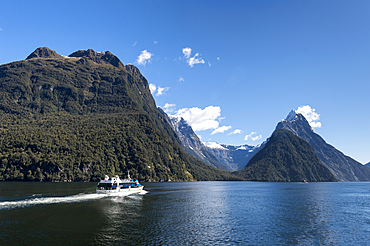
column 214, row 145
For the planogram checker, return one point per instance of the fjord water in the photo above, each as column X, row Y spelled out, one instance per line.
column 193, row 213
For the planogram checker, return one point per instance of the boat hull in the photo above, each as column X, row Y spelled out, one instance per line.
column 121, row 191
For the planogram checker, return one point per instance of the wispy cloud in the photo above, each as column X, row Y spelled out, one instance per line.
column 169, row 108
column 311, row 116
column 249, row 136
column 144, row 57
column 237, row 131
column 181, row 79
column 161, row 90
column 134, row 44
column 221, row 129
column 157, row 90
column 192, row 60
column 152, row 88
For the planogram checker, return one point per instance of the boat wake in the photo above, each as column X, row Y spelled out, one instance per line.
column 37, row 199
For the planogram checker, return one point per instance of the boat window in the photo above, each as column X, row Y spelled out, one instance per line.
column 104, row 185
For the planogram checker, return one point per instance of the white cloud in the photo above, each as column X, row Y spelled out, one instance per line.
column 181, row 79
column 257, row 137
column 186, row 51
column 160, row 90
column 209, row 64
column 218, row 58
column 249, row 136
column 152, row 88
column 134, row 43
column 169, row 108
column 201, row 119
column 221, row 129
column 194, row 60
column 144, row 57
column 214, row 145
column 311, row 116
column 237, row 131
column 155, row 42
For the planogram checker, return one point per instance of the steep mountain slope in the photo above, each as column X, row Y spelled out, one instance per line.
column 190, row 141
column 221, row 156
column 82, row 116
column 233, row 157
column 343, row 167
column 286, row 158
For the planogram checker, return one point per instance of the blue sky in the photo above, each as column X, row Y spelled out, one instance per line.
column 234, row 69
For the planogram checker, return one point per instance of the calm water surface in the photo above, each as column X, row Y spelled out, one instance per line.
column 194, row 213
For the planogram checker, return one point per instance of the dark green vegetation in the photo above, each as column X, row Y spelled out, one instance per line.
column 343, row 167
column 81, row 117
column 286, row 158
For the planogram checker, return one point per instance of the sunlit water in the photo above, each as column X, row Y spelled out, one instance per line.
column 195, row 213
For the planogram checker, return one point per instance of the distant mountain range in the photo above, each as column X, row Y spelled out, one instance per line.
column 235, row 158
column 221, row 156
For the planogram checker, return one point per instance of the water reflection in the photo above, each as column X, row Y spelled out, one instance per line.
column 302, row 215
column 121, row 219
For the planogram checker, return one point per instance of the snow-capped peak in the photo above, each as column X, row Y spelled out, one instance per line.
column 214, row 145
column 291, row 116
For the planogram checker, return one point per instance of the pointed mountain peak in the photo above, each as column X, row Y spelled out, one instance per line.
column 99, row 57
column 291, row 116
column 44, row 52
column 294, row 115
column 294, row 122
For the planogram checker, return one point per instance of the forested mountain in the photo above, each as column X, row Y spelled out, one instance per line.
column 343, row 167
column 286, row 158
column 83, row 116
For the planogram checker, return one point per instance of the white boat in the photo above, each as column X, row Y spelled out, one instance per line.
column 112, row 185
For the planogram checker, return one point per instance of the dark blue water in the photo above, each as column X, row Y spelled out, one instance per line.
column 194, row 213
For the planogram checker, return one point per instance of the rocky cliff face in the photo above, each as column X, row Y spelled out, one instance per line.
column 343, row 167
column 191, row 143
column 99, row 57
